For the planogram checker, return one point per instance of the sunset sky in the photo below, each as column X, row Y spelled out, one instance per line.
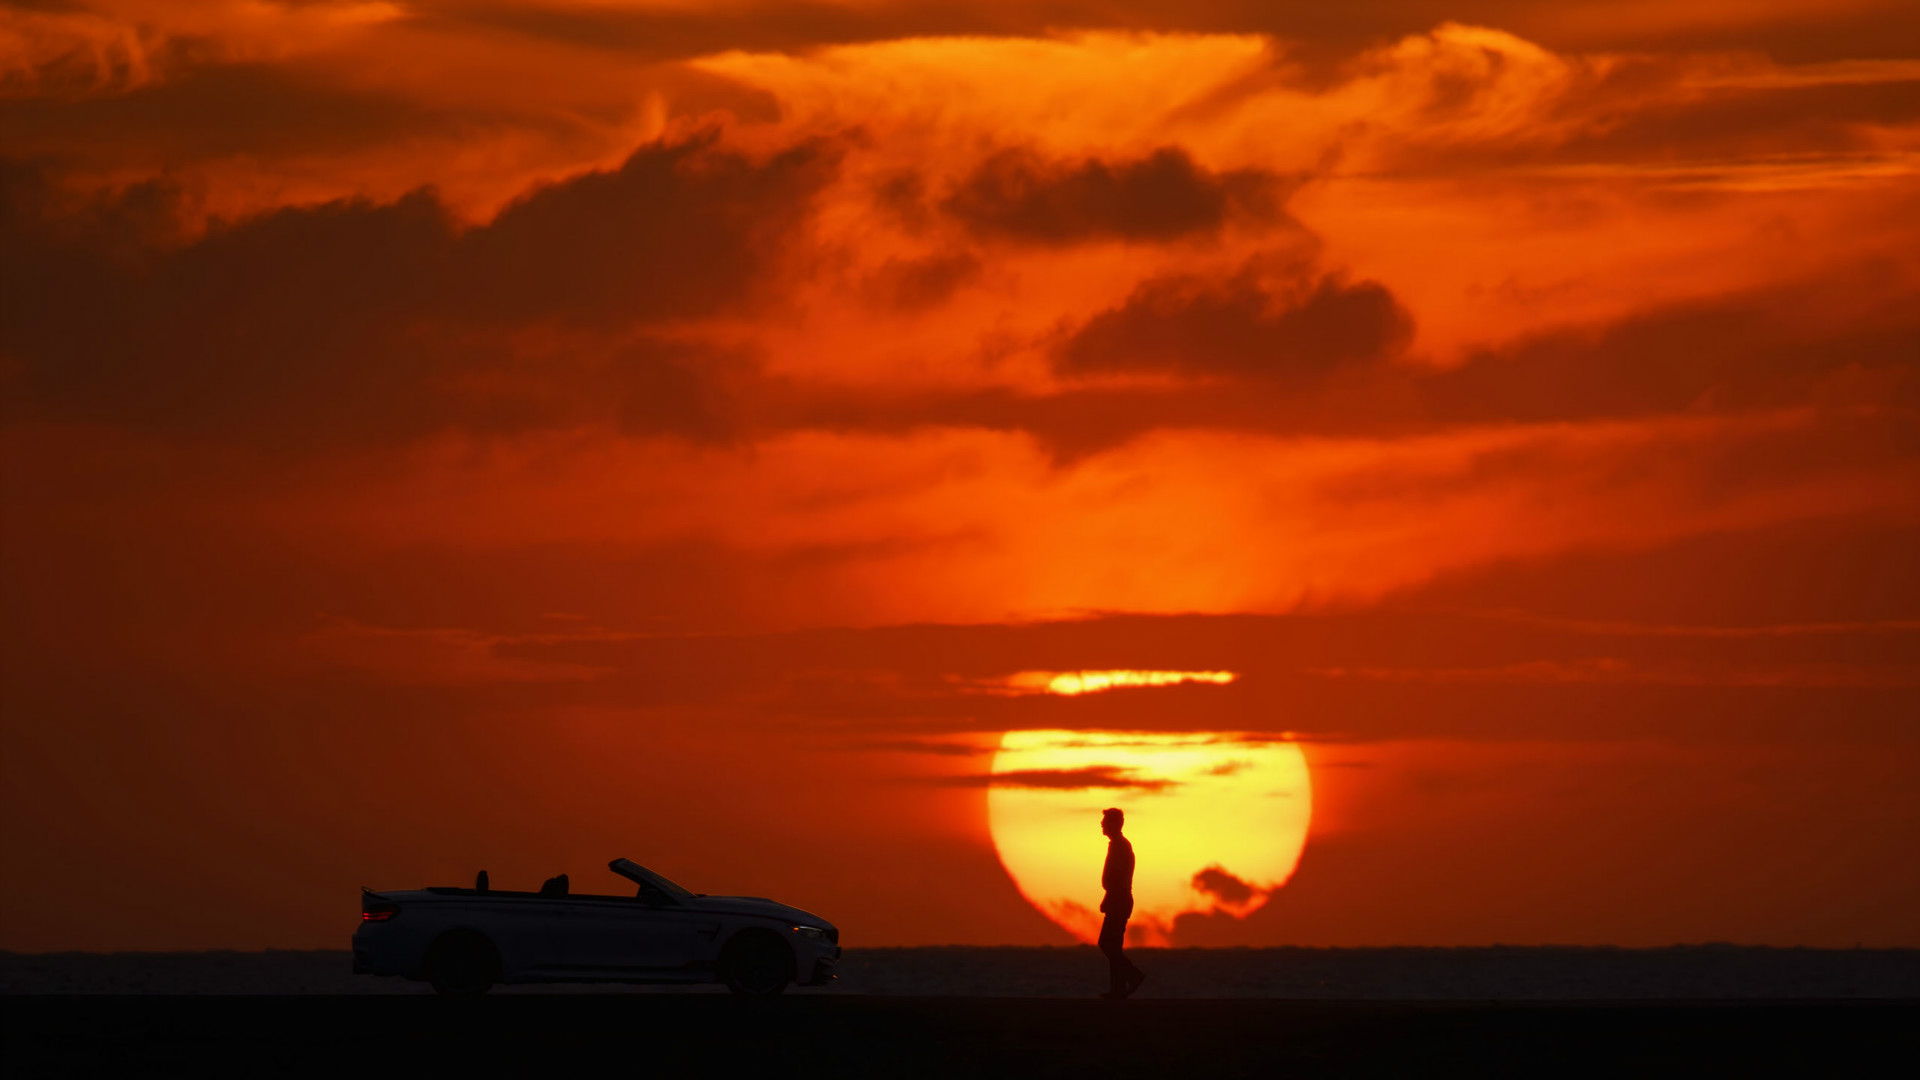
column 445, row 434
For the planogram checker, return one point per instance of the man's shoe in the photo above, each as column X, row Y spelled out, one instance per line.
column 1134, row 983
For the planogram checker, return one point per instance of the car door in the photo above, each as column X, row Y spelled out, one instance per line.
column 533, row 934
column 652, row 939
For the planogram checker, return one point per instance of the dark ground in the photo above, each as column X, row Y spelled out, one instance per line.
column 1498, row 973
column 997, row 1013
column 862, row 1035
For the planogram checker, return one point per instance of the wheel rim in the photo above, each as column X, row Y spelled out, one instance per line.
column 466, row 981
column 464, row 970
column 759, row 971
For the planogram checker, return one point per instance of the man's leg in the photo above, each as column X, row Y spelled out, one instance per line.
column 1134, row 975
column 1113, row 939
column 1126, row 977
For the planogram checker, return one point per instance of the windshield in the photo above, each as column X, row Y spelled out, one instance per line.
column 677, row 890
column 642, row 876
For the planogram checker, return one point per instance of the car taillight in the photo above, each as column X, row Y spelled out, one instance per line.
column 378, row 912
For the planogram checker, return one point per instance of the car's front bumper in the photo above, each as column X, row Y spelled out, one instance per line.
column 826, row 965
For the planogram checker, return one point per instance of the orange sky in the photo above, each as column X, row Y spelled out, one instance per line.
column 513, row 434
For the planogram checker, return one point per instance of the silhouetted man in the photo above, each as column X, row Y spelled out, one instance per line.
column 1117, row 878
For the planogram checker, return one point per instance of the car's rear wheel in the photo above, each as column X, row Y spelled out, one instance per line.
column 758, row 965
column 463, row 965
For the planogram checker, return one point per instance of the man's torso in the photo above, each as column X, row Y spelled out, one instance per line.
column 1116, row 877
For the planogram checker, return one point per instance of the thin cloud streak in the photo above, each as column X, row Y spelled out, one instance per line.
column 1090, row 778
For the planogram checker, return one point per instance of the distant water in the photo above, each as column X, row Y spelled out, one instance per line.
column 1406, row 974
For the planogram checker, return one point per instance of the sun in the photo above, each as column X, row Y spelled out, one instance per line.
column 1218, row 821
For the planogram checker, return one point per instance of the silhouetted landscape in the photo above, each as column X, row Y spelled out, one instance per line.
column 1700, row 972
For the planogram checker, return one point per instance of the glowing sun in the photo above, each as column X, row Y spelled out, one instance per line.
column 1217, row 821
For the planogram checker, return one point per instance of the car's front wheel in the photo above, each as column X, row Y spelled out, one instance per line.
column 758, row 964
column 463, row 965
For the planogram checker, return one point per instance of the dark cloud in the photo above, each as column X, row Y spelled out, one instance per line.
column 1843, row 573
column 902, row 195
column 1092, row 777
column 208, row 109
column 827, row 680
column 1734, row 122
column 916, row 284
column 1083, row 420
column 670, row 33
column 1018, row 195
column 934, row 747
column 925, row 665
column 381, row 320
column 385, row 320
column 1764, row 349
column 1215, row 881
column 195, row 98
column 677, row 231
column 1323, row 35
column 1767, row 349
column 1296, row 332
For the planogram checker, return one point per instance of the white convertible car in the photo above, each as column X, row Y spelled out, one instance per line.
column 465, row 940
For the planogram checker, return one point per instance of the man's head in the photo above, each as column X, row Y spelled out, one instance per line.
column 1111, row 820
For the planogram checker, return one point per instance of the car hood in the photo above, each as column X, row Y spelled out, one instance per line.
column 755, row 905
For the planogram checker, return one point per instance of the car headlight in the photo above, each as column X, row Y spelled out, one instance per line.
column 811, row 933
